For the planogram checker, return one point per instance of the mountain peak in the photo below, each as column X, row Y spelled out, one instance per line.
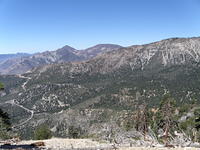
column 65, row 48
column 102, row 46
column 68, row 47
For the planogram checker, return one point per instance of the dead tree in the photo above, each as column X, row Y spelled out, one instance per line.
column 142, row 120
column 167, row 110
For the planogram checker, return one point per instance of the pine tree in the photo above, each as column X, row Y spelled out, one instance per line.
column 1, row 86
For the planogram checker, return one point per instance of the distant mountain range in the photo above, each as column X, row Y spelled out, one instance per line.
column 4, row 57
column 21, row 63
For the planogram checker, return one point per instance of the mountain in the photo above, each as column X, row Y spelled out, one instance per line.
column 65, row 54
column 4, row 57
column 100, row 93
column 97, row 49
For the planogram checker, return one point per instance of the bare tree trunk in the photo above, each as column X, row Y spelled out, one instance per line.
column 166, row 135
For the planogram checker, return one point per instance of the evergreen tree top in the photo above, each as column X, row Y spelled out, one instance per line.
column 1, row 86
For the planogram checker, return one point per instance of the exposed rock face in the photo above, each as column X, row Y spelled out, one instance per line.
column 21, row 65
column 171, row 52
column 159, row 54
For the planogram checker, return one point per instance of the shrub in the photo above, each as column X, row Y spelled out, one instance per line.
column 128, row 125
column 4, row 129
column 74, row 132
column 42, row 132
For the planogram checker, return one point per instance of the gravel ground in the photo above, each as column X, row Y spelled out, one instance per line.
column 145, row 148
column 57, row 143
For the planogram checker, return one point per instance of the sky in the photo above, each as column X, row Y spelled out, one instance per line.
column 39, row 25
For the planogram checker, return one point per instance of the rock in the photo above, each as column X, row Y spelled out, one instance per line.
column 195, row 144
column 38, row 144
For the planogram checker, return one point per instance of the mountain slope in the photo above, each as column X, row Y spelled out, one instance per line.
column 154, row 68
column 117, row 81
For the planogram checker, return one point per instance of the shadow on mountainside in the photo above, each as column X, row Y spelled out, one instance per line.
column 7, row 146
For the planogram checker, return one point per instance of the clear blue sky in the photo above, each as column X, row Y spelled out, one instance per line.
column 40, row 25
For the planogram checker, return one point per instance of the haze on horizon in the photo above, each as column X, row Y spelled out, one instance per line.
column 35, row 26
